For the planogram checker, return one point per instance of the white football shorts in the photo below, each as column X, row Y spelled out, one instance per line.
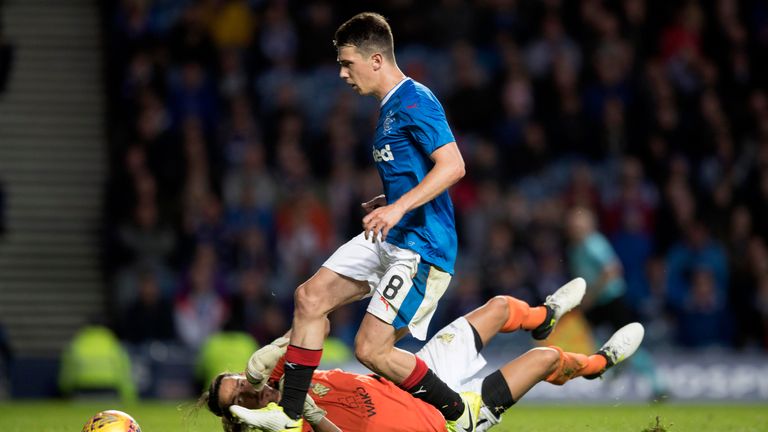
column 404, row 291
column 452, row 356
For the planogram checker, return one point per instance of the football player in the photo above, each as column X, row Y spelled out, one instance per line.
column 404, row 258
column 340, row 400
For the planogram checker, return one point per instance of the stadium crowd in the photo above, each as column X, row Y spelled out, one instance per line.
column 240, row 159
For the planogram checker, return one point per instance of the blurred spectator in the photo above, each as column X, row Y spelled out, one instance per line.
column 654, row 309
column 253, row 250
column 316, row 23
column 550, row 273
column 702, row 317
column 631, row 197
column 471, row 101
column 248, row 303
column 697, row 251
column 200, row 309
column 477, row 216
column 239, row 132
column 189, row 41
column 250, row 191
column 582, row 190
column 145, row 240
column 506, row 267
column 634, row 248
column 275, row 322
column 592, row 257
column 681, row 46
column 516, row 109
column 278, row 39
column 304, row 231
column 94, row 362
column 150, row 316
column 210, row 229
column 232, row 24
column 679, row 207
column 553, row 43
column 233, row 80
column 451, row 21
column 191, row 95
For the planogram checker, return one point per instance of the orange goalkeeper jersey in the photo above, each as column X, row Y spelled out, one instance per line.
column 357, row 403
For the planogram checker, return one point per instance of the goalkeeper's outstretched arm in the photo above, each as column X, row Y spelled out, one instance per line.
column 264, row 361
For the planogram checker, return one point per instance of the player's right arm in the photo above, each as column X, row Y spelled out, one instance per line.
column 448, row 169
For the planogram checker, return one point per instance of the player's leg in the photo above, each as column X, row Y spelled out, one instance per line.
column 346, row 276
column 375, row 348
column 321, row 294
column 622, row 344
column 313, row 301
column 454, row 352
column 507, row 314
column 404, row 301
column 506, row 386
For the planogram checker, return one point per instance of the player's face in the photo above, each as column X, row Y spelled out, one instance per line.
column 578, row 225
column 236, row 390
column 355, row 69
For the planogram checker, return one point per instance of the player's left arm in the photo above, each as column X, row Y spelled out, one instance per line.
column 263, row 362
column 316, row 417
column 448, row 169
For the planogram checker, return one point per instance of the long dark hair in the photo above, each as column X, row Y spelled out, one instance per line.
column 210, row 399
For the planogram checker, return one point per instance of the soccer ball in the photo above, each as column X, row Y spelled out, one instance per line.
column 111, row 421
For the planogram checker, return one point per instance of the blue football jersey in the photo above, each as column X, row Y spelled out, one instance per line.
column 411, row 126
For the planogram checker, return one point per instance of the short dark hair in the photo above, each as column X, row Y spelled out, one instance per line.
column 369, row 32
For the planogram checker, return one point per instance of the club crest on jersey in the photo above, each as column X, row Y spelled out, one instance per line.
column 384, row 154
column 388, row 120
column 319, row 389
column 447, row 338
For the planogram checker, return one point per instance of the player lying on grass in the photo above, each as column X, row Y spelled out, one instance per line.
column 353, row 402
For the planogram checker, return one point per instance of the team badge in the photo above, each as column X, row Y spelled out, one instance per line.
column 319, row 389
column 388, row 120
column 446, row 337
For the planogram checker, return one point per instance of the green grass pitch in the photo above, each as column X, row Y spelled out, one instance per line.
column 60, row 416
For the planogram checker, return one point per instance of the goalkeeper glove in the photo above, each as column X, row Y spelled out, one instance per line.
column 263, row 362
column 311, row 412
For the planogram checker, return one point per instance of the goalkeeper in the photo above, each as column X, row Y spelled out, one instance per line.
column 339, row 400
